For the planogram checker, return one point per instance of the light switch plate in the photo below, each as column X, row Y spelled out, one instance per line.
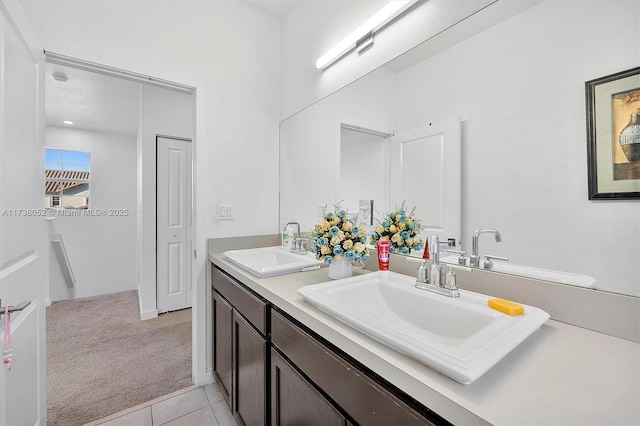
column 225, row 211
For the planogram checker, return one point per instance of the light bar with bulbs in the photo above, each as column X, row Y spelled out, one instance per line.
column 362, row 37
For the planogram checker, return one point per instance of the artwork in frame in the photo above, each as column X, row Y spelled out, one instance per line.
column 613, row 136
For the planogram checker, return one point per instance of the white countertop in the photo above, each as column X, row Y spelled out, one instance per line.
column 560, row 375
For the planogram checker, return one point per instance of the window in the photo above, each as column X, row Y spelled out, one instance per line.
column 66, row 179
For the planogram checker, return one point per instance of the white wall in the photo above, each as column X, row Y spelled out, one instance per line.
column 226, row 50
column 519, row 88
column 101, row 249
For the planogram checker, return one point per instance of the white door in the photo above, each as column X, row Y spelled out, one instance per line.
column 23, row 396
column 173, row 234
column 425, row 171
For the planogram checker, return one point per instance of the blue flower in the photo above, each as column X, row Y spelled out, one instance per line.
column 401, row 212
column 412, row 226
column 334, row 230
column 355, row 230
column 419, row 246
column 357, row 257
column 337, row 250
column 386, row 224
column 328, row 258
column 405, row 235
column 329, row 217
column 349, row 254
column 405, row 249
column 341, row 214
column 313, row 249
column 392, row 215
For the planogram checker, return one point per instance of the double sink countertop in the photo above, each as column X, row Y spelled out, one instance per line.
column 561, row 374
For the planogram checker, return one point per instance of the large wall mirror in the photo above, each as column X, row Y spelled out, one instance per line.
column 517, row 88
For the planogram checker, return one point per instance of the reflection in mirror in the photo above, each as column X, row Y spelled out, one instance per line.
column 523, row 137
column 425, row 170
column 419, row 167
column 363, row 192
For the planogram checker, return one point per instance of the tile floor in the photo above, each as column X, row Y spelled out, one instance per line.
column 189, row 407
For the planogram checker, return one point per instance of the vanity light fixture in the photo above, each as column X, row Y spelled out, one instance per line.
column 67, row 122
column 362, row 37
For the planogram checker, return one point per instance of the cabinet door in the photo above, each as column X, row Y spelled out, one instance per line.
column 364, row 400
column 250, row 357
column 294, row 401
column 223, row 344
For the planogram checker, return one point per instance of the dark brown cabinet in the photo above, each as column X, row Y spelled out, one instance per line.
column 222, row 344
column 249, row 373
column 294, row 401
column 240, row 349
column 365, row 401
column 274, row 370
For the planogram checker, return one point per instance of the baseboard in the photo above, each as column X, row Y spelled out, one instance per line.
column 205, row 379
column 148, row 314
column 145, row 315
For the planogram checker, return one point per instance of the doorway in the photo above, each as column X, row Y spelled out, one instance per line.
column 132, row 113
column 363, row 197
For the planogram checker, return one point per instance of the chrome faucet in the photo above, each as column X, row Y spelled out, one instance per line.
column 297, row 234
column 474, row 260
column 436, row 281
column 297, row 240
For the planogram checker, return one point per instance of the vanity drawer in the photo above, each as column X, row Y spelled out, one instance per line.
column 364, row 400
column 254, row 309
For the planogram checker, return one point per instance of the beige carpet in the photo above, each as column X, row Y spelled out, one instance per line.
column 101, row 359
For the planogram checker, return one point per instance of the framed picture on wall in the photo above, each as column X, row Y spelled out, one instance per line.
column 613, row 136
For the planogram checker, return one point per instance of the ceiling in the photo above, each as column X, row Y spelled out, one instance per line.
column 275, row 8
column 91, row 100
column 96, row 101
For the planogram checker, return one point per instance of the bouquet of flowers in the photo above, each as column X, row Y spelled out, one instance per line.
column 338, row 237
column 401, row 228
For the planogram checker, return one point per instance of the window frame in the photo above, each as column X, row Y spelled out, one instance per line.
column 65, row 176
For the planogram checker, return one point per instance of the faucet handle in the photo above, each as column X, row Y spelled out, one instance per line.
column 450, row 281
column 461, row 260
column 488, row 264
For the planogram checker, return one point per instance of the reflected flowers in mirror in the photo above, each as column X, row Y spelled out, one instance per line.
column 402, row 229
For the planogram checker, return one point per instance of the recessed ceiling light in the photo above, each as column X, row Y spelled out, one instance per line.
column 70, row 123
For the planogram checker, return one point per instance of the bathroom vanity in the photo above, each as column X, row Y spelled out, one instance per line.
column 280, row 360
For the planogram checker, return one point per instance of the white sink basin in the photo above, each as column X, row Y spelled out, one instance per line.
column 536, row 273
column 459, row 337
column 270, row 261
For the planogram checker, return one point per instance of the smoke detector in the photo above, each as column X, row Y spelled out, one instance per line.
column 60, row 76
